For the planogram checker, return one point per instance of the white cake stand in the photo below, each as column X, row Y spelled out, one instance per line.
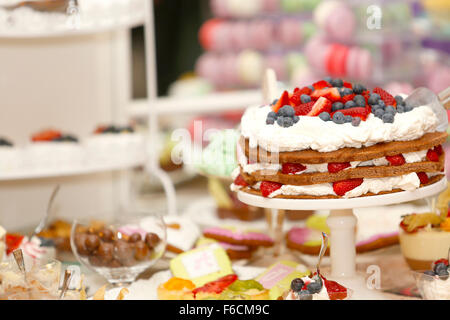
column 342, row 222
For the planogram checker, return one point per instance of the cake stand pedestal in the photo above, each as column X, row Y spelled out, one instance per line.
column 342, row 223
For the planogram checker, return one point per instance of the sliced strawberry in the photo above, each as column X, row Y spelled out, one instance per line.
column 47, row 135
column 432, row 155
column 216, row 286
column 267, row 187
column 321, row 105
column 385, row 96
column 304, row 109
column 438, row 149
column 444, row 261
column 334, row 167
column 331, row 94
column 284, row 100
column 304, row 90
column 291, row 168
column 361, row 112
column 321, row 84
column 348, row 97
column 294, row 100
column 335, row 290
column 239, row 181
column 13, row 242
column 342, row 187
column 366, row 95
column 396, row 160
column 422, row 177
column 348, row 85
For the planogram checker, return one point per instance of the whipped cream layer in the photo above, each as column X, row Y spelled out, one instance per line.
column 326, row 136
column 407, row 182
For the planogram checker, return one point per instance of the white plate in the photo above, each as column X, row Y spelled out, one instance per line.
column 146, row 289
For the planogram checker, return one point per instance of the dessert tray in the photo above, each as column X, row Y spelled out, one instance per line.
column 146, row 289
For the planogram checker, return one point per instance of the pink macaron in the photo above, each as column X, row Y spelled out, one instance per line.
column 261, row 33
column 290, row 32
column 365, row 64
column 341, row 24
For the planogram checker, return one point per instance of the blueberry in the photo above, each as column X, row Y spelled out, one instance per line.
column 337, row 83
column 379, row 113
column 270, row 120
column 314, row 287
column 304, row 98
column 373, row 99
column 390, row 109
column 345, row 91
column 304, row 295
column 286, row 111
column 360, row 100
column 287, row 122
column 388, row 118
column 375, row 107
column 356, row 121
column 350, row 104
column 440, row 268
column 399, row 99
column 348, row 119
column 337, row 106
column 358, row 88
column 297, row 284
column 325, row 116
column 280, row 121
column 400, row 109
column 272, row 114
column 381, row 103
column 408, row 108
column 328, row 79
column 338, row 117
column 296, row 118
column 274, row 101
column 311, row 87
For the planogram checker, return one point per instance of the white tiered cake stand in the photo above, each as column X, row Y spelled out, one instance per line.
column 342, row 222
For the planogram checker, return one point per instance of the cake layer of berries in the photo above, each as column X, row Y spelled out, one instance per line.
column 316, row 141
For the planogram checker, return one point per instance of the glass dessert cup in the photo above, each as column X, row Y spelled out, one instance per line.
column 432, row 287
column 121, row 249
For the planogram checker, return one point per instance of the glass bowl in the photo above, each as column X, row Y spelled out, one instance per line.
column 432, row 287
column 122, row 249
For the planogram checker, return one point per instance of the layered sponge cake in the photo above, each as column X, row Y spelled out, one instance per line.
column 338, row 140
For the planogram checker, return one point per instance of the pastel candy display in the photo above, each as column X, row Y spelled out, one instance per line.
column 278, row 277
column 336, row 19
column 260, row 34
column 250, row 67
column 201, row 265
column 277, row 63
column 290, row 32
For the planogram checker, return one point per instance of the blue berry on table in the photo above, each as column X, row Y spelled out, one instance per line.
column 296, row 118
column 337, row 106
column 358, row 88
column 337, row 83
column 381, row 103
column 280, row 121
column 356, row 121
column 399, row 99
column 287, row 122
column 348, row 118
column 304, row 98
column 379, row 113
column 338, row 118
column 375, row 107
column 388, row 118
column 400, row 109
column 270, row 120
column 272, row 114
column 408, row 108
column 314, row 287
column 325, row 116
column 359, row 100
column 345, row 91
column 350, row 104
column 297, row 284
column 304, row 295
column 274, row 101
column 390, row 109
column 373, row 99
column 286, row 111
column 440, row 269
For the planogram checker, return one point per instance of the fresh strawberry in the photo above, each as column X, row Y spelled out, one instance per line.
column 396, row 160
column 361, row 112
column 321, row 84
column 331, row 94
column 348, row 97
column 432, row 155
column 366, row 95
column 13, row 242
column 348, row 85
column 239, row 181
column 267, row 187
column 335, row 290
column 284, row 100
column 385, row 96
column 321, row 105
column 422, row 177
column 216, row 286
column 294, row 100
column 438, row 149
column 291, row 168
column 47, row 135
column 342, row 187
column 304, row 90
column 304, row 109
column 444, row 261
column 334, row 167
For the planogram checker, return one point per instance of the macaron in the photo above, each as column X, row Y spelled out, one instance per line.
column 261, row 33
column 324, row 10
column 340, row 24
column 250, row 66
column 365, row 64
column 290, row 33
column 206, row 34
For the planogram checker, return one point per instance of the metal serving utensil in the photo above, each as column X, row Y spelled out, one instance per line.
column 66, row 282
column 18, row 256
column 323, row 249
column 44, row 220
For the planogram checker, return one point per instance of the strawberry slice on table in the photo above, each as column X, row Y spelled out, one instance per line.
column 348, row 85
column 292, row 168
column 342, row 187
column 321, row 84
column 366, row 95
column 239, row 181
column 361, row 112
column 347, row 97
column 216, row 286
column 432, row 155
column 46, row 135
column 334, row 167
column 321, row 105
column 13, row 242
column 304, row 109
column 335, row 290
column 304, row 90
column 284, row 100
column 267, row 187
column 294, row 100
column 385, row 96
column 331, row 94
column 423, row 177
column 396, row 160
